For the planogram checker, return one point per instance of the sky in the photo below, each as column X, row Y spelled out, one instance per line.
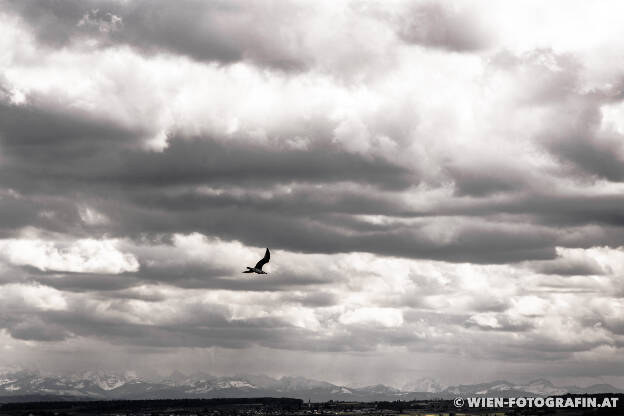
column 440, row 184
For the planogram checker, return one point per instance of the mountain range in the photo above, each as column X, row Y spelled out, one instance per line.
column 32, row 385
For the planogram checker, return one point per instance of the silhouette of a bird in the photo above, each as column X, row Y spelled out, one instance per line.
column 262, row 262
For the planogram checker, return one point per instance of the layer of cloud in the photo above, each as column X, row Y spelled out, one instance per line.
column 431, row 182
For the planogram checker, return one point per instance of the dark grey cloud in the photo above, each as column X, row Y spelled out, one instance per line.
column 437, row 25
column 46, row 144
column 593, row 152
column 218, row 31
column 34, row 329
column 44, row 132
column 197, row 326
column 208, row 160
column 272, row 34
column 84, row 282
column 202, row 326
column 236, row 335
column 45, row 147
column 58, row 151
column 55, row 23
column 486, row 244
column 569, row 267
column 556, row 209
column 482, row 181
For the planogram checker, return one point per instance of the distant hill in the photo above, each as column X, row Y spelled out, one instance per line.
column 22, row 385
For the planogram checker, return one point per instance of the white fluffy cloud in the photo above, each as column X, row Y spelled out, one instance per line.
column 80, row 256
column 36, row 296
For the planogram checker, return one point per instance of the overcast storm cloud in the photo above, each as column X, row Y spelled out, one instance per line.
column 440, row 183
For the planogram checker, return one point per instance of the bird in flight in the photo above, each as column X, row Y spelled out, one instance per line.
column 262, row 262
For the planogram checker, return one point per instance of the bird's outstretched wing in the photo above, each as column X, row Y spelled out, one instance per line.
column 265, row 260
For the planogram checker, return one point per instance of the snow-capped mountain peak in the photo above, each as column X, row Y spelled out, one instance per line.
column 427, row 385
column 300, row 383
column 102, row 385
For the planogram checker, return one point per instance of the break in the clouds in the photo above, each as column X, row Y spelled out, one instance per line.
column 440, row 184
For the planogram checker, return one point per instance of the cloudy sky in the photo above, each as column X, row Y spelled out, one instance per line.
column 441, row 185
